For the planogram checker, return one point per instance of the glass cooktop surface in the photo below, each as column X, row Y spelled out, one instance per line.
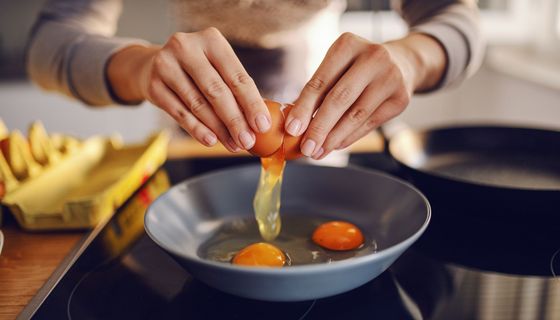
column 464, row 267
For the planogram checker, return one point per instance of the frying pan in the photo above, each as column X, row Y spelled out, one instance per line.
column 496, row 171
column 386, row 209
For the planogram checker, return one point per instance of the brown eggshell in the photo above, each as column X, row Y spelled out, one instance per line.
column 5, row 148
column 269, row 142
column 292, row 144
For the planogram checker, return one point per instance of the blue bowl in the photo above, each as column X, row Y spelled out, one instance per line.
column 386, row 209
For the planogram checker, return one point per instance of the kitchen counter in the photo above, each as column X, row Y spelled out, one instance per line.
column 26, row 262
column 28, row 259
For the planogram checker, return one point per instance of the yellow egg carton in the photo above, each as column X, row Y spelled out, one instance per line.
column 55, row 182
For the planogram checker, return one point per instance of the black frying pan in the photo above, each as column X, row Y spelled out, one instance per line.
column 489, row 170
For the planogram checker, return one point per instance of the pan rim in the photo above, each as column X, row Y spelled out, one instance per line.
column 299, row 269
column 467, row 126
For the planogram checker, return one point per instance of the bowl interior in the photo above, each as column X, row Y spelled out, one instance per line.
column 386, row 209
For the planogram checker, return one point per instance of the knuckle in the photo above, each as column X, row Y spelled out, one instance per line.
column 346, row 38
column 177, row 36
column 340, row 96
column 317, row 130
column 241, row 79
column 176, row 41
column 357, row 115
column 235, row 123
column 253, row 106
column 212, row 32
column 373, row 122
column 347, row 44
column 196, row 104
column 180, row 114
column 160, row 60
column 316, row 84
column 377, row 52
column 215, row 89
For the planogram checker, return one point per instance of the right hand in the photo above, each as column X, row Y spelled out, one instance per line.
column 199, row 81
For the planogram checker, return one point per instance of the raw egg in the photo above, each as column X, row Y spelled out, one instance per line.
column 276, row 139
column 338, row 235
column 260, row 255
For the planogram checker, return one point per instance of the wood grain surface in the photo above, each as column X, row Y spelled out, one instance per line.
column 26, row 262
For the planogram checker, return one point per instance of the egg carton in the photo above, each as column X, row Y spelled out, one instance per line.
column 55, row 182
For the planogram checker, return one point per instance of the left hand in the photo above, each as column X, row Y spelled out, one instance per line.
column 358, row 86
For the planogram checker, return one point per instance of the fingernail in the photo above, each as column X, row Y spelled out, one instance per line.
column 293, row 127
column 210, row 139
column 246, row 139
column 318, row 153
column 262, row 122
column 308, row 147
column 233, row 145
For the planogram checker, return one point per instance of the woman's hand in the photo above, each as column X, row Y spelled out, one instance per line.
column 359, row 86
column 198, row 80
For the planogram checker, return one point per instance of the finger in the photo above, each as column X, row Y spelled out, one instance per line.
column 386, row 111
column 180, row 83
column 224, row 59
column 344, row 93
column 163, row 97
column 217, row 93
column 374, row 94
column 338, row 59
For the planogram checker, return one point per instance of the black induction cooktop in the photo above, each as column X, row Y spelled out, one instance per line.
column 119, row 273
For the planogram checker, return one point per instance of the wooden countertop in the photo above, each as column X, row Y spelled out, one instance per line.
column 28, row 259
column 26, row 262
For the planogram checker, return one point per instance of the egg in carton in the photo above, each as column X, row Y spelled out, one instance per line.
column 56, row 182
column 22, row 159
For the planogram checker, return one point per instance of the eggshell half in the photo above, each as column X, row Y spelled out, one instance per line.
column 269, row 142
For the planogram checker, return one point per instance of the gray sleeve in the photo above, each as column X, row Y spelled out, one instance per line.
column 70, row 45
column 455, row 25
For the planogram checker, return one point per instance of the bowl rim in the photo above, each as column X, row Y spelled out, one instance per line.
column 299, row 269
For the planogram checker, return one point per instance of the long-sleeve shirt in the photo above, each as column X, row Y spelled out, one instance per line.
column 73, row 40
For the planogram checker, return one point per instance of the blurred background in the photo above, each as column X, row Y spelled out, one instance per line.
column 519, row 82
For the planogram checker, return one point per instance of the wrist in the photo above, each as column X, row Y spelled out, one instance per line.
column 128, row 71
column 423, row 60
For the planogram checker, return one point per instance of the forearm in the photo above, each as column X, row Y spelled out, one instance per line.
column 422, row 59
column 126, row 71
column 70, row 45
column 454, row 24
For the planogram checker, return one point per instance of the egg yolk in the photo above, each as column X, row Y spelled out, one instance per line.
column 260, row 255
column 338, row 235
